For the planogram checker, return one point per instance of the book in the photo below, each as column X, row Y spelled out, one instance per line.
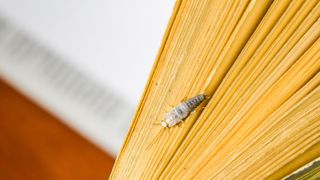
column 258, row 62
column 309, row 171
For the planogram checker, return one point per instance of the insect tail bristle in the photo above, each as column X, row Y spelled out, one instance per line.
column 207, row 96
column 155, row 138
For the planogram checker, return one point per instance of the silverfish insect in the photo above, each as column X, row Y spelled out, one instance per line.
column 182, row 111
column 178, row 114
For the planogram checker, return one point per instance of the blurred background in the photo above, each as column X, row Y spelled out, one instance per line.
column 71, row 77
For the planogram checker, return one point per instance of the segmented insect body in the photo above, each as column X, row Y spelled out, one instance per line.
column 180, row 112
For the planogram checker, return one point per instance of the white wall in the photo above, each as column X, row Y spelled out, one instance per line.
column 115, row 42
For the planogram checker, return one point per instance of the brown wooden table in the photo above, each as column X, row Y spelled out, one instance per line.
column 36, row 145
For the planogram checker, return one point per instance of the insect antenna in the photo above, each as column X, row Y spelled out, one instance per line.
column 156, row 123
column 156, row 138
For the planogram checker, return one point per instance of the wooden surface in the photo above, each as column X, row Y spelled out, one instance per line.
column 36, row 145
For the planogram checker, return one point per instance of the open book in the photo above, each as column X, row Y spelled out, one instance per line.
column 259, row 62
